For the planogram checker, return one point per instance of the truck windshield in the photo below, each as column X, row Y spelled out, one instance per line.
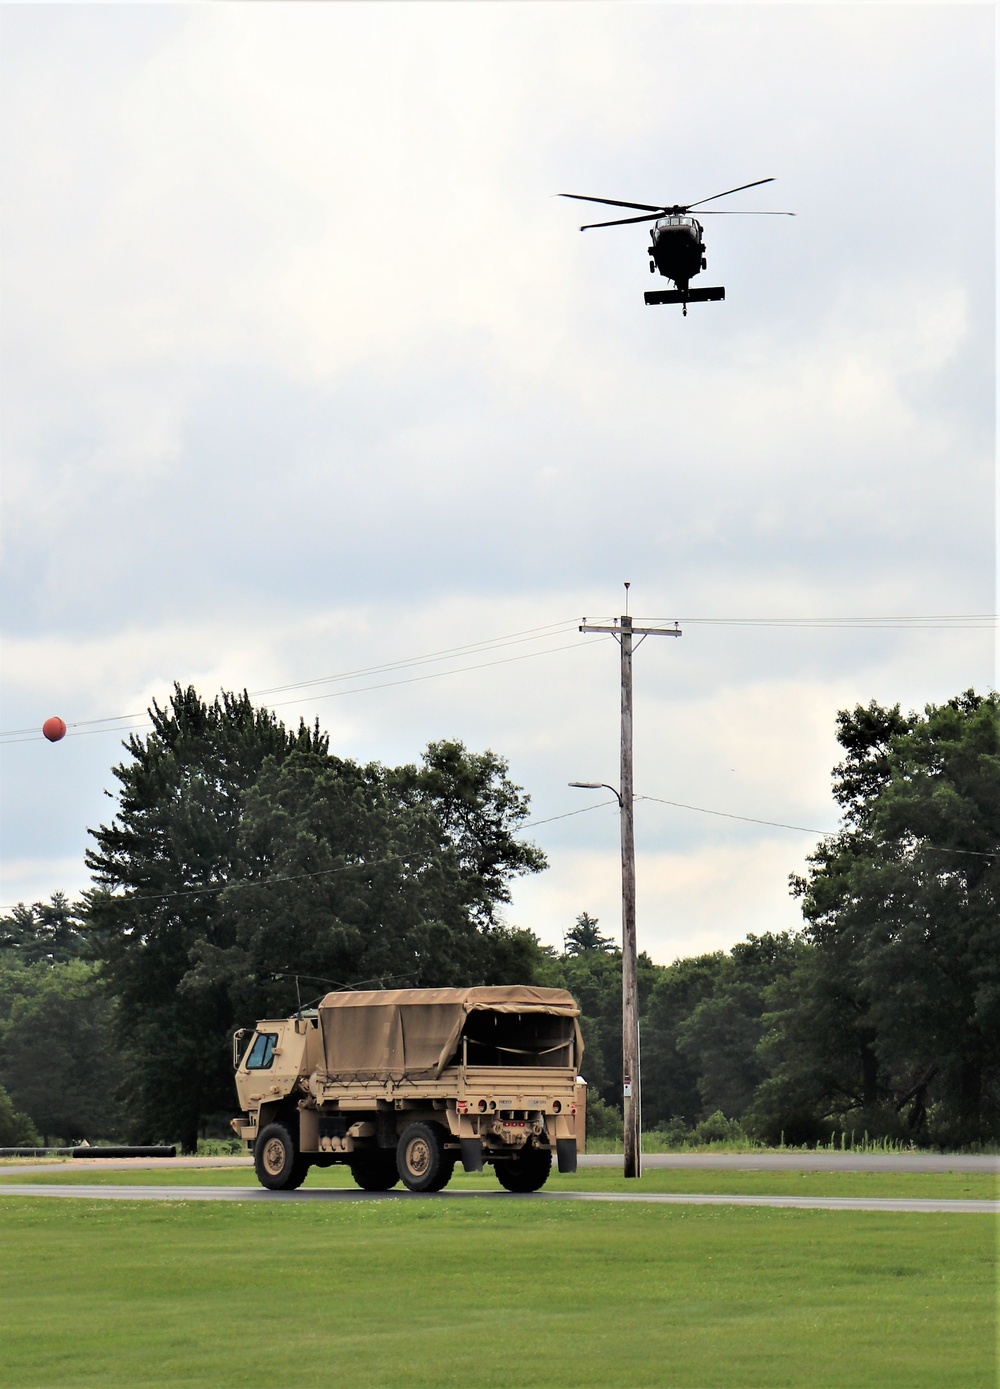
column 261, row 1054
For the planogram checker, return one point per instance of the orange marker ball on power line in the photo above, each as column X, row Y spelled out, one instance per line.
column 54, row 728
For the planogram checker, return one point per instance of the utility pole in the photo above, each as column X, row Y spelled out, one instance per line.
column 623, row 632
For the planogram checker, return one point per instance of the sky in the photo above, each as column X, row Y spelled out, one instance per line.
column 307, row 374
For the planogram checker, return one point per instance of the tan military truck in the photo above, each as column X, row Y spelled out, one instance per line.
column 401, row 1084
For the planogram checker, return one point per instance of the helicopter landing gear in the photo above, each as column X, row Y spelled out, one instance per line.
column 652, row 267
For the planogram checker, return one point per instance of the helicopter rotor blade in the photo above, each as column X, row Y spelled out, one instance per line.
column 612, row 202
column 621, row 221
column 742, row 212
column 726, row 194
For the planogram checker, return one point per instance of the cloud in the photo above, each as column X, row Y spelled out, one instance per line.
column 306, row 370
column 686, row 904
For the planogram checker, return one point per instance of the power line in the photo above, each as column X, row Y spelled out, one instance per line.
column 437, row 675
column 530, row 824
column 585, row 811
column 727, row 815
column 319, row 872
column 928, row 622
column 781, row 825
column 80, row 731
column 364, row 865
column 509, row 638
column 451, row 653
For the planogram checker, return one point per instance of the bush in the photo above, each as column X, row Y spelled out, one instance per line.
column 16, row 1129
column 673, row 1133
column 718, row 1129
column 603, row 1120
column 221, row 1147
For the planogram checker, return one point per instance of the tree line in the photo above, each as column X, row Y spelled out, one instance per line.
column 246, row 868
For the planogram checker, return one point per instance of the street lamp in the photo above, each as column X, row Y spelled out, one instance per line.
column 598, row 786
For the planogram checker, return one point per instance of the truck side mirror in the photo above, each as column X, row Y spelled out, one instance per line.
column 238, row 1036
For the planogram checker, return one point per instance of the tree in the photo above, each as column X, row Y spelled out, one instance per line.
column 159, row 869
column 50, row 931
column 57, row 1055
column 894, row 1020
column 584, row 935
column 478, row 810
column 360, row 875
column 721, row 1034
column 670, row 1077
column 16, row 1129
column 591, row 969
column 243, row 855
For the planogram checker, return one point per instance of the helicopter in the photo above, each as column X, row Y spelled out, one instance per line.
column 677, row 248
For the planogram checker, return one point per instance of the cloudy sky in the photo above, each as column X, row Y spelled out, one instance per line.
column 307, row 373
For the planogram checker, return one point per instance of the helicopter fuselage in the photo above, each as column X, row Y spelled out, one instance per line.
column 678, row 248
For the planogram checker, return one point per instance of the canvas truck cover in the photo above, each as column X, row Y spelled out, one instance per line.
column 395, row 1033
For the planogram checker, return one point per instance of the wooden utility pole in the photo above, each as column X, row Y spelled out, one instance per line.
column 623, row 631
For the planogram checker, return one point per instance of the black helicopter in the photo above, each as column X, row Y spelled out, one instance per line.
column 677, row 247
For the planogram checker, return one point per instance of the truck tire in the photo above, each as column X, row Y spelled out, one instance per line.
column 278, row 1164
column 423, row 1163
column 376, row 1171
column 527, row 1172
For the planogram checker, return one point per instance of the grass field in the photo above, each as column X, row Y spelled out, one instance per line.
column 492, row 1294
column 953, row 1186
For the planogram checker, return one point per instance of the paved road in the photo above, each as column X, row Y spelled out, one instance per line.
column 726, row 1162
column 808, row 1162
column 21, row 1165
column 339, row 1195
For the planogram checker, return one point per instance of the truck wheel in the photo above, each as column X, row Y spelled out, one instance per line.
column 421, row 1158
column 376, row 1171
column 526, row 1172
column 278, row 1166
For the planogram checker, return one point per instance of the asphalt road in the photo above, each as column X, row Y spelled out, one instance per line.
column 223, row 1193
column 724, row 1162
column 808, row 1162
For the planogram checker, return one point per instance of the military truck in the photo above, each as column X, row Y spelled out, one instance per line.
column 401, row 1084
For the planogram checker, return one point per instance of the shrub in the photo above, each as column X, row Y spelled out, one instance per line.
column 718, row 1129
column 16, row 1129
column 674, row 1133
column 603, row 1120
column 221, row 1147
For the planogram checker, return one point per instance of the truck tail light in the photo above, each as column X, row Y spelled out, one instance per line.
column 556, row 1107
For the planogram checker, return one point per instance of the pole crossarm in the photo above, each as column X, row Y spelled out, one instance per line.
column 624, row 632
column 615, row 631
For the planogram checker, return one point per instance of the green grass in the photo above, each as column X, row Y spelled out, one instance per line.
column 492, row 1294
column 955, row 1186
column 852, row 1142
